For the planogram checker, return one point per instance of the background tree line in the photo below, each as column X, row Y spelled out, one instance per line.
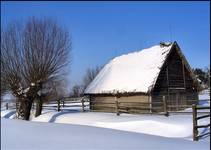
column 203, row 76
column 90, row 74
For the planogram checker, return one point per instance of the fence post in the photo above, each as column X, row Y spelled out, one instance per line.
column 165, row 106
column 150, row 105
column 195, row 131
column 16, row 105
column 63, row 103
column 58, row 105
column 82, row 101
column 7, row 106
column 117, row 106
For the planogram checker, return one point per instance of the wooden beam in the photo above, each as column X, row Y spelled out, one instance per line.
column 183, row 73
column 165, row 106
column 117, row 106
column 167, row 78
column 118, row 94
column 176, row 88
column 150, row 105
column 195, row 131
column 201, row 117
column 204, row 126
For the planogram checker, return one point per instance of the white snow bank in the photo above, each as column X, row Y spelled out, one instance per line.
column 45, row 117
column 179, row 126
column 23, row 135
column 8, row 114
column 134, row 72
column 204, row 95
column 150, row 127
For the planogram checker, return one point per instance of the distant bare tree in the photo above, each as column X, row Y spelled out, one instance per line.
column 203, row 75
column 77, row 90
column 207, row 75
column 54, row 90
column 34, row 56
column 90, row 75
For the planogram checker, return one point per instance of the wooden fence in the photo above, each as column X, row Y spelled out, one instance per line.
column 163, row 107
column 195, row 109
column 139, row 107
column 68, row 103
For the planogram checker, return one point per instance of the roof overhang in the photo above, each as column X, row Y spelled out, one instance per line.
column 117, row 94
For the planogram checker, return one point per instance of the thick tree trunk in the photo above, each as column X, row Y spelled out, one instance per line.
column 27, row 109
column 20, row 109
column 39, row 104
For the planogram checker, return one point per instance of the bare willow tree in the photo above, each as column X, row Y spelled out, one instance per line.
column 39, row 55
column 4, row 87
column 47, row 48
column 11, row 64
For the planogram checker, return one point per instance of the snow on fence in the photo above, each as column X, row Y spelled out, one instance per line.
column 196, row 135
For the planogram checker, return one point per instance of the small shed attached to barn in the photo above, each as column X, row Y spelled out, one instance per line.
column 139, row 81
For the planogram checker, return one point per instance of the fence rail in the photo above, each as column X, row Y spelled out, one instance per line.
column 156, row 107
column 196, row 135
column 163, row 107
column 58, row 104
column 70, row 103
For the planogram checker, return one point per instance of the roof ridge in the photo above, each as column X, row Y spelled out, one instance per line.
column 162, row 44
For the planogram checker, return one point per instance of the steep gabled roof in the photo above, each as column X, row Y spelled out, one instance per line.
column 135, row 72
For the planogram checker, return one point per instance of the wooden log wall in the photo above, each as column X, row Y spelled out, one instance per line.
column 136, row 103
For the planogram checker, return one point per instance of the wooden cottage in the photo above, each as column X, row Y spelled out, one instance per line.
column 150, row 80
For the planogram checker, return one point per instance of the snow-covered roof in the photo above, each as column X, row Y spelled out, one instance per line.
column 134, row 72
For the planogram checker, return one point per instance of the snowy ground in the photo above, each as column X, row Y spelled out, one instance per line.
column 73, row 129
column 205, row 94
column 179, row 126
column 22, row 135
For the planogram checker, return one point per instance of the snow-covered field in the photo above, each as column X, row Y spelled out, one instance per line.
column 22, row 135
column 204, row 95
column 73, row 129
column 173, row 126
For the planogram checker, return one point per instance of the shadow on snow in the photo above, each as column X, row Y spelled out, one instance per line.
column 53, row 118
column 8, row 115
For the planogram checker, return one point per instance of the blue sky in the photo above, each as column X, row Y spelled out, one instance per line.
column 103, row 30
